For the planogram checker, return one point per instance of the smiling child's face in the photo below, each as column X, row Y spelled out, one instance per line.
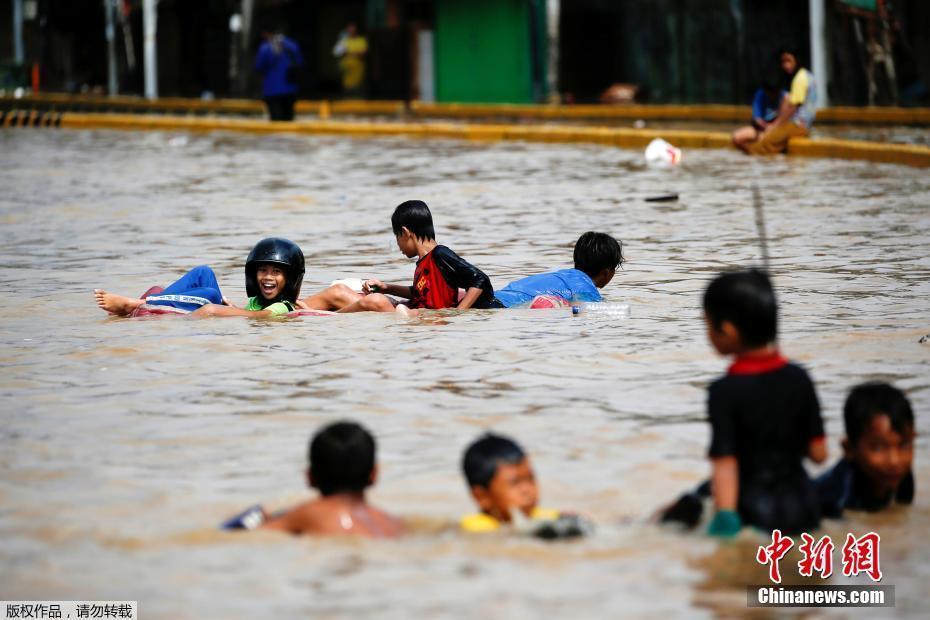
column 882, row 454
column 513, row 486
column 271, row 280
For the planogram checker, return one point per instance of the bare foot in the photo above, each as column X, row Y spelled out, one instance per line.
column 116, row 304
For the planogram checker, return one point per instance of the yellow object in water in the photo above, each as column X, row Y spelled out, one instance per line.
column 481, row 522
column 352, row 64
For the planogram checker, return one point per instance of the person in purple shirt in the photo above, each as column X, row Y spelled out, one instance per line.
column 278, row 62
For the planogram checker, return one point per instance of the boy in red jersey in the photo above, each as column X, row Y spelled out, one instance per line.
column 439, row 275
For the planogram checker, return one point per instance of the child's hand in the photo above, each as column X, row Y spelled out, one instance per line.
column 372, row 286
column 300, row 304
column 726, row 524
column 226, row 302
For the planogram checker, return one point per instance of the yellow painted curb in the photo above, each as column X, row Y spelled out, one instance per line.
column 553, row 112
column 653, row 112
column 217, row 106
column 906, row 154
column 366, row 108
column 238, row 106
column 625, row 138
column 419, row 109
column 875, row 115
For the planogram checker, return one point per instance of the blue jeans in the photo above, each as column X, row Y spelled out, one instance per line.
column 198, row 287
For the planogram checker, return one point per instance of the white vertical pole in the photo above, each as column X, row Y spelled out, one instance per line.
column 552, row 66
column 819, row 50
column 150, row 26
column 426, row 71
column 248, row 8
column 19, row 53
column 112, row 84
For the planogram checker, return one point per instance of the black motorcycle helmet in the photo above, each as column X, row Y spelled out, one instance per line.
column 279, row 252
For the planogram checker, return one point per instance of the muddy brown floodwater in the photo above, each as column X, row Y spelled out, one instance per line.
column 124, row 443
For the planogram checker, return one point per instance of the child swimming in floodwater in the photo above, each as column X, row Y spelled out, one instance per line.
column 764, row 415
column 342, row 466
column 274, row 272
column 502, row 483
column 878, row 451
column 597, row 257
column 439, row 274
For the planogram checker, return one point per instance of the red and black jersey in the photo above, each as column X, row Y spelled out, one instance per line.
column 439, row 276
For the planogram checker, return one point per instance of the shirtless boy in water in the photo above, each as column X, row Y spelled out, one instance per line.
column 342, row 466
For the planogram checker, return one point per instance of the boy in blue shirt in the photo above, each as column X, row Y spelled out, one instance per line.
column 597, row 257
column 766, row 104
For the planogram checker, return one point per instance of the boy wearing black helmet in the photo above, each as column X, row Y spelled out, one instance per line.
column 274, row 272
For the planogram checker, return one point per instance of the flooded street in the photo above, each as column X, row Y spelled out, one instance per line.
column 124, row 443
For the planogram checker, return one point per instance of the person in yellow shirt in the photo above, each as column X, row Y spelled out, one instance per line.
column 350, row 49
column 502, row 483
column 796, row 115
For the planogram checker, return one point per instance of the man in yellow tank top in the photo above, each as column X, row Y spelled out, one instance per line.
column 351, row 49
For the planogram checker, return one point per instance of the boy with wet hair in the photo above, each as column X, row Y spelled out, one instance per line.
column 764, row 414
column 439, row 274
column 597, row 257
column 342, row 466
column 878, row 451
column 502, row 483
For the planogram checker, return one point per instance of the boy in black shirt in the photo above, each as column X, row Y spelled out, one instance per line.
column 878, row 452
column 764, row 415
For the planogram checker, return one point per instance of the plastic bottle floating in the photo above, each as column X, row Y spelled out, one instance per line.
column 602, row 308
column 662, row 153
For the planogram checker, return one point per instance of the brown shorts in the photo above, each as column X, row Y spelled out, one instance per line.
column 776, row 140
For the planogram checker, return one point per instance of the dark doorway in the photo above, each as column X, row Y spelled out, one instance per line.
column 590, row 49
